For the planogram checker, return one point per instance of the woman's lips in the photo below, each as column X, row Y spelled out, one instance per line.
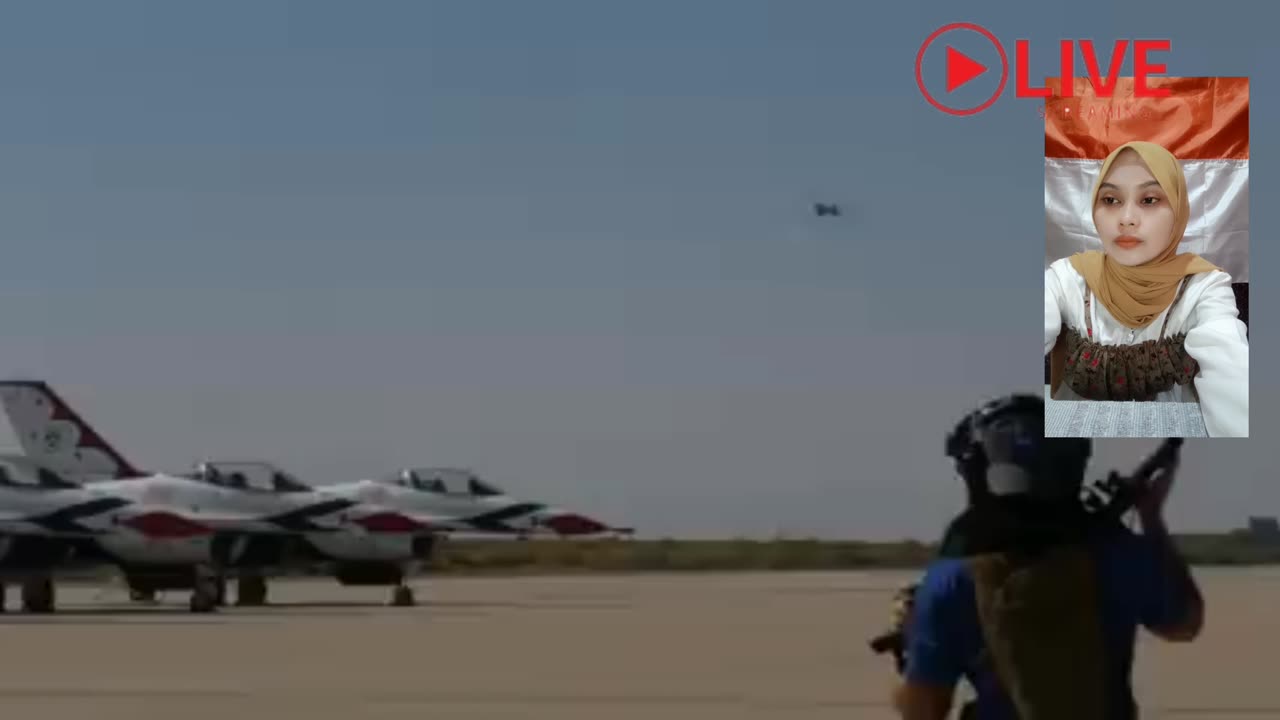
column 1128, row 242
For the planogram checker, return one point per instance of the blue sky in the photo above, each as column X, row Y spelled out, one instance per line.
column 566, row 243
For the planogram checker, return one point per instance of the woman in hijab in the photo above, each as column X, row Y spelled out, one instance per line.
column 1138, row 320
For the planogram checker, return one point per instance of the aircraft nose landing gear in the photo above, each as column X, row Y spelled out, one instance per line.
column 205, row 593
column 251, row 590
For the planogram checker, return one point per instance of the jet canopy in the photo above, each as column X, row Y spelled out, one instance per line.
column 445, row 481
column 21, row 472
column 244, row 475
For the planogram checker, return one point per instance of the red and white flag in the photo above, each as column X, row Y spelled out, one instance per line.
column 1204, row 122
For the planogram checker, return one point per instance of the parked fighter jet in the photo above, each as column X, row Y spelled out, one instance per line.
column 209, row 532
column 261, row 528
column 252, row 530
column 48, row 524
column 478, row 506
column 266, row 519
column 395, row 543
column 422, row 506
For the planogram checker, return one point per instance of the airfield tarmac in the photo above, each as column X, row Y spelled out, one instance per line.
column 764, row 645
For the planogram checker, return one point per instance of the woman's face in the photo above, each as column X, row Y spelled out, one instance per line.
column 1133, row 215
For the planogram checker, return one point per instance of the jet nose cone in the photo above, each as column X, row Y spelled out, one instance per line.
column 574, row 524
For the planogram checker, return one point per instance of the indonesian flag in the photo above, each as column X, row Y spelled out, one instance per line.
column 1204, row 122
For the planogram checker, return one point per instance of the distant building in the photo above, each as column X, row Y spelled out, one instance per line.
column 1265, row 528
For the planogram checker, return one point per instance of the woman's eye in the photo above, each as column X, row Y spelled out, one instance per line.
column 1109, row 201
column 1151, row 200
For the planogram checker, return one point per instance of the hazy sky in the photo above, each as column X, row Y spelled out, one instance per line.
column 568, row 244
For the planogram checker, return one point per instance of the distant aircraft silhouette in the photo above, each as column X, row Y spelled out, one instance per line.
column 821, row 209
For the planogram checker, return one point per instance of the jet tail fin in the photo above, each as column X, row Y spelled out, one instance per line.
column 50, row 432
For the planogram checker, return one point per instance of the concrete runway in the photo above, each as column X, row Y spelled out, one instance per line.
column 737, row 646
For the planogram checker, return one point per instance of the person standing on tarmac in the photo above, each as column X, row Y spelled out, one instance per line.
column 1033, row 600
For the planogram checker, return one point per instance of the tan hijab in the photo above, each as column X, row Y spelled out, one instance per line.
column 1136, row 295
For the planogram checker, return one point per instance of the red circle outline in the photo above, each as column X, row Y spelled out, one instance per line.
column 1004, row 67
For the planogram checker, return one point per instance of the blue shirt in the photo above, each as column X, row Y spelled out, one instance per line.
column 944, row 634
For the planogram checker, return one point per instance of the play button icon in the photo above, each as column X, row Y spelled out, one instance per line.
column 961, row 68
column 964, row 59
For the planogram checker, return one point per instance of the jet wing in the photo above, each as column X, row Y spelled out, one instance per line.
column 325, row 515
column 14, row 524
column 82, row 517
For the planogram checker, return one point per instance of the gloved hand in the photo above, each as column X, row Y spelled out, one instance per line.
column 903, row 603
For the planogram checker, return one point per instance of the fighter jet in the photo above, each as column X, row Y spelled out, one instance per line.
column 263, row 528
column 477, row 506
column 252, row 528
column 49, row 524
column 371, row 532
column 825, row 209
column 427, row 504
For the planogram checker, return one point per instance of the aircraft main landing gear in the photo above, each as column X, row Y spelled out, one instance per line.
column 251, row 591
column 38, row 595
column 402, row 596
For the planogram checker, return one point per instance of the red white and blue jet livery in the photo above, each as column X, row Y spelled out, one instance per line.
column 250, row 531
column 48, row 523
column 478, row 505
column 258, row 519
column 186, row 532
